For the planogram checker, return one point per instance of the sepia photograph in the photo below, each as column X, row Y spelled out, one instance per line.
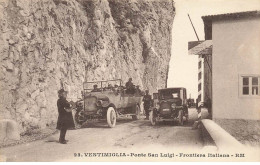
column 129, row 81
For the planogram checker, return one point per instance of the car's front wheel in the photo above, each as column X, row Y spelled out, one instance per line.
column 152, row 118
column 137, row 112
column 111, row 117
column 186, row 114
column 187, row 117
column 181, row 117
column 79, row 118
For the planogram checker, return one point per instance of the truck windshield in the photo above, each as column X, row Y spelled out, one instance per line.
column 169, row 94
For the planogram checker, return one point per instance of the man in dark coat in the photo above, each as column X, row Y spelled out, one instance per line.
column 147, row 99
column 130, row 89
column 65, row 119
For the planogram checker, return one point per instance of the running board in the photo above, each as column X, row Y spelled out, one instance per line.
column 126, row 115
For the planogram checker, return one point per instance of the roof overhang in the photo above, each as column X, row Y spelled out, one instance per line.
column 200, row 47
column 237, row 15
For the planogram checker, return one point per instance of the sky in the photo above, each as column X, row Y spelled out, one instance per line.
column 183, row 69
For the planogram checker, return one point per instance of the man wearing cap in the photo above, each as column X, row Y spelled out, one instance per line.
column 147, row 99
column 95, row 88
column 65, row 119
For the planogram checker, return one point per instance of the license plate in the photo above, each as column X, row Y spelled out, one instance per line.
column 166, row 109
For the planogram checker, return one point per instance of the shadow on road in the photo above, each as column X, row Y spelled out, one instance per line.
column 49, row 140
column 103, row 123
column 167, row 124
column 142, row 122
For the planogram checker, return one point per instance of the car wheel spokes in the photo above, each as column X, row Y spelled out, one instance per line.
column 111, row 117
column 79, row 117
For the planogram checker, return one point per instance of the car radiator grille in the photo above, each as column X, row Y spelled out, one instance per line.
column 165, row 108
column 90, row 103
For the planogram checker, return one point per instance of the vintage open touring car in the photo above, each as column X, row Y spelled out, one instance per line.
column 170, row 105
column 107, row 100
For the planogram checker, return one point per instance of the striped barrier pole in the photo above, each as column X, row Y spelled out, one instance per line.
column 199, row 114
column 196, row 123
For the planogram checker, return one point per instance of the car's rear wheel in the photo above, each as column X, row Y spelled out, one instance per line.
column 181, row 117
column 111, row 117
column 152, row 118
column 137, row 112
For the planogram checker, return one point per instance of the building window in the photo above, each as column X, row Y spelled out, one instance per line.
column 255, row 85
column 250, row 85
column 245, row 85
column 199, row 87
column 199, row 98
column 199, row 64
column 199, row 76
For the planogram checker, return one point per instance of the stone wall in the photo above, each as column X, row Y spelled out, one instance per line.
column 50, row 44
column 245, row 131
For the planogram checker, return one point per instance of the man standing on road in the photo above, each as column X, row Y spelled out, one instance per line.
column 65, row 119
column 147, row 99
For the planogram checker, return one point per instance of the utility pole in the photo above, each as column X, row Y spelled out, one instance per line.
column 167, row 72
column 199, row 40
column 193, row 28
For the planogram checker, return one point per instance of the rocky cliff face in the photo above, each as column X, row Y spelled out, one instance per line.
column 49, row 44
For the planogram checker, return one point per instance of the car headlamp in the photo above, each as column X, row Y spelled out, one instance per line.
column 173, row 105
column 99, row 103
column 79, row 104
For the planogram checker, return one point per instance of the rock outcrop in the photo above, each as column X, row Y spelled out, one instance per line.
column 49, row 44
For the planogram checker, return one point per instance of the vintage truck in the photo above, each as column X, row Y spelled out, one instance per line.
column 107, row 100
column 169, row 104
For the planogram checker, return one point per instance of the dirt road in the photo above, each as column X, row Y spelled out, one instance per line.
column 128, row 136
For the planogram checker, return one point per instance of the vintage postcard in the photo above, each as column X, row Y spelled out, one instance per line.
column 129, row 80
